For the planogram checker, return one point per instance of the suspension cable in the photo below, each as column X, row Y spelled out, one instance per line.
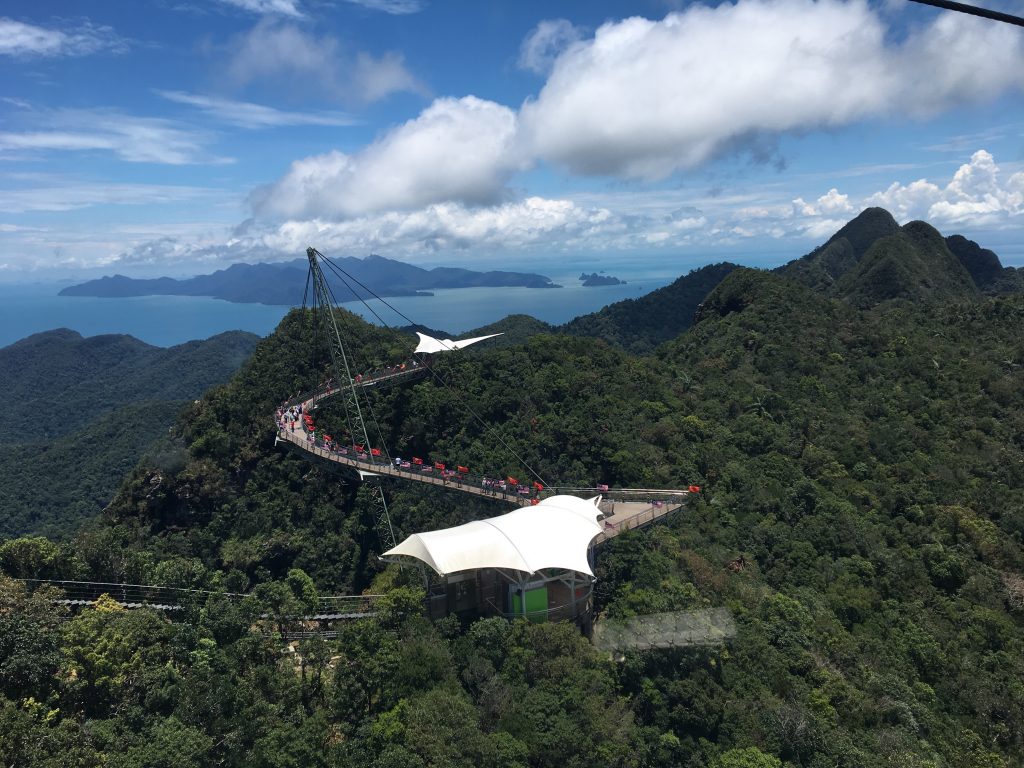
column 369, row 406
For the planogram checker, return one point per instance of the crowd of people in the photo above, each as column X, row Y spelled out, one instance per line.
column 291, row 418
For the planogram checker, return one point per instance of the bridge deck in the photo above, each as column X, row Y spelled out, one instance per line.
column 627, row 505
column 378, row 379
column 427, row 474
column 630, row 515
column 625, row 509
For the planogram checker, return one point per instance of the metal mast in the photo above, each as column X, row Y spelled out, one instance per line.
column 350, row 398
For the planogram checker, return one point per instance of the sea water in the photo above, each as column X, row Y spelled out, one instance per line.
column 168, row 320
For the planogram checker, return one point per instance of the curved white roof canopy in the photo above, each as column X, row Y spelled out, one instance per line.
column 429, row 345
column 555, row 533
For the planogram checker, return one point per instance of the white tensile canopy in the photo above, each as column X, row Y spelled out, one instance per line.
column 429, row 345
column 555, row 533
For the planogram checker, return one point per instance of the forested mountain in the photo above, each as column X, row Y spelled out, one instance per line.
column 66, row 381
column 985, row 268
column 866, row 460
column 820, row 268
column 85, row 410
column 913, row 264
column 639, row 325
column 872, row 259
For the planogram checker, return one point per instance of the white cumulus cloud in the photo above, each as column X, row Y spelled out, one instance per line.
column 832, row 202
column 975, row 195
column 456, row 150
column 645, row 98
column 28, row 40
column 545, row 43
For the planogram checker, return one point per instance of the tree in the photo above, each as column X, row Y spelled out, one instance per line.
column 747, row 757
column 29, row 640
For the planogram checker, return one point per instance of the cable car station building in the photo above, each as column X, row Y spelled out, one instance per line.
column 534, row 562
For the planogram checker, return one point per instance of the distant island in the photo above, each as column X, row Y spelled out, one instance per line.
column 599, row 279
column 284, row 283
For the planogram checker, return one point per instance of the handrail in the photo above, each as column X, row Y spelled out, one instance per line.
column 369, row 380
column 464, row 482
column 146, row 593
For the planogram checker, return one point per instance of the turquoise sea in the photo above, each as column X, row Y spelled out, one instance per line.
column 168, row 320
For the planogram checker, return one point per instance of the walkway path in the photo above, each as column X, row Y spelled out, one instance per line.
column 625, row 508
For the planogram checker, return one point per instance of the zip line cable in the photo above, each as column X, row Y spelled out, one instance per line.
column 342, row 274
column 973, row 10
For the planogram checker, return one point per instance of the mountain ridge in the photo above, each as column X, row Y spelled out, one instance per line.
column 282, row 283
column 88, row 408
column 872, row 259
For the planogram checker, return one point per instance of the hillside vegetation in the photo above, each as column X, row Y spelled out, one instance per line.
column 864, row 456
column 86, row 410
column 639, row 325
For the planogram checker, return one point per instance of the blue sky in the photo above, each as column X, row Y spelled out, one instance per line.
column 178, row 136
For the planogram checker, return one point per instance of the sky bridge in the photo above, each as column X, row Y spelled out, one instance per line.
column 624, row 509
column 499, row 579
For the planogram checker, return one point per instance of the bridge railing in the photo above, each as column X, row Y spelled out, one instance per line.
column 176, row 598
column 348, row 605
column 477, row 484
column 83, row 592
column 634, row 521
column 372, row 379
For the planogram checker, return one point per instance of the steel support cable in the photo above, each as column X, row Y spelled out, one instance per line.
column 334, row 299
column 487, row 427
column 973, row 10
column 342, row 274
column 353, row 410
column 353, row 413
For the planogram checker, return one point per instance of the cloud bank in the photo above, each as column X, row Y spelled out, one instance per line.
column 456, row 150
column 975, row 195
column 644, row 99
column 647, row 99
